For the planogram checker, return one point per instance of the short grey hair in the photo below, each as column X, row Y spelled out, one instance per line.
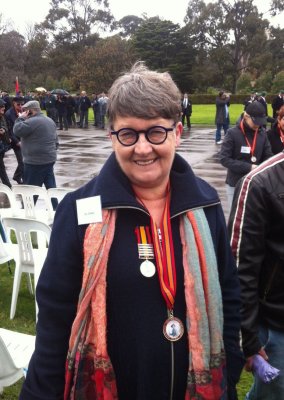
column 145, row 94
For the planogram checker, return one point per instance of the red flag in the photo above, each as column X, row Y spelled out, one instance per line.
column 17, row 89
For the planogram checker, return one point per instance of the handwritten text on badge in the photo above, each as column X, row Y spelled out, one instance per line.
column 89, row 210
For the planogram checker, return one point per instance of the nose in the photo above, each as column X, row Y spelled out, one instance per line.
column 142, row 145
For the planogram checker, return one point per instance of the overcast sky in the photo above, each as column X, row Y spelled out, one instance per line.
column 23, row 12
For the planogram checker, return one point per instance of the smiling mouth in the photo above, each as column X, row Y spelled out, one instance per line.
column 145, row 162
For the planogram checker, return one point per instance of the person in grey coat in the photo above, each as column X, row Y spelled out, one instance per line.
column 39, row 143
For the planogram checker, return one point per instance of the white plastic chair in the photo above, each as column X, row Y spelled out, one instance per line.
column 7, row 252
column 57, row 193
column 14, row 209
column 15, row 352
column 42, row 212
column 30, row 260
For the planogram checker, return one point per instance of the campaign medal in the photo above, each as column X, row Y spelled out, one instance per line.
column 162, row 244
column 145, row 251
column 147, row 269
column 251, row 146
column 173, row 329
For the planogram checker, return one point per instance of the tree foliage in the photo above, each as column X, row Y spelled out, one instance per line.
column 225, row 44
column 74, row 20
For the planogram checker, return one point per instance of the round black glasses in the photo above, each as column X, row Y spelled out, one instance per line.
column 154, row 135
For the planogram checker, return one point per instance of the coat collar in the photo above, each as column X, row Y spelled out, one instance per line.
column 188, row 191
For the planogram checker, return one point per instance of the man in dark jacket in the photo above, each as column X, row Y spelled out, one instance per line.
column 257, row 240
column 5, row 144
column 186, row 109
column 222, row 119
column 245, row 146
column 11, row 115
column 277, row 103
column 84, row 104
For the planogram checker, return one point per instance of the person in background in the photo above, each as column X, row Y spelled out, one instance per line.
column 103, row 102
column 61, row 106
column 39, row 143
column 250, row 99
column 110, row 277
column 256, row 229
column 96, row 109
column 5, row 144
column 50, row 106
column 245, row 147
column 85, row 104
column 277, row 103
column 222, row 119
column 276, row 133
column 11, row 115
column 77, row 109
column 186, row 109
column 71, row 119
column 5, row 96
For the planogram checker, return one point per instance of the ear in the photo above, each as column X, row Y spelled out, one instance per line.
column 179, row 129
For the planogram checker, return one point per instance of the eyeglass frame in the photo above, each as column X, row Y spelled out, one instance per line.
column 145, row 131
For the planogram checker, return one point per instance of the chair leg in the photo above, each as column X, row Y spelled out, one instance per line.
column 16, row 286
column 30, row 284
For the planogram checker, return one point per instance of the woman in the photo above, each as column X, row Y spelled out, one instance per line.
column 276, row 133
column 141, row 287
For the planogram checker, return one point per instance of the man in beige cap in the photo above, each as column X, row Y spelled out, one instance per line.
column 39, row 144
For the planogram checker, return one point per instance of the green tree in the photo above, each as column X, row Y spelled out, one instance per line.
column 73, row 21
column 155, row 42
column 244, row 83
column 100, row 66
column 36, row 49
column 12, row 60
column 128, row 25
column 264, row 81
column 230, row 33
column 278, row 82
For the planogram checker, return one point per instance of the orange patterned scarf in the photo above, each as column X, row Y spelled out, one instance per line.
column 89, row 372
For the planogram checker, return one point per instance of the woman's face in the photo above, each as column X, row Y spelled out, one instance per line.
column 146, row 165
column 281, row 123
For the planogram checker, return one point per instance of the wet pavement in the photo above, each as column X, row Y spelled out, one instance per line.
column 82, row 153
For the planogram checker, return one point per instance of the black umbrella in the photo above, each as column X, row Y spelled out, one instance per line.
column 63, row 92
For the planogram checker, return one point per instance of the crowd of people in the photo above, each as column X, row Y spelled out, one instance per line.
column 144, row 300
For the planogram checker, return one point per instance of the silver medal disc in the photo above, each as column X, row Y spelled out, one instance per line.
column 147, row 269
column 253, row 159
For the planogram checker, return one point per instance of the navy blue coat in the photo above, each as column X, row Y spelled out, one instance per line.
column 135, row 310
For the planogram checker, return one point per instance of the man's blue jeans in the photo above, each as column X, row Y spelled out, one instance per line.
column 225, row 126
column 39, row 175
column 273, row 342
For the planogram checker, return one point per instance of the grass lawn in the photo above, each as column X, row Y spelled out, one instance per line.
column 204, row 114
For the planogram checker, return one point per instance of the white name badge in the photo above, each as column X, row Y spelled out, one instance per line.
column 245, row 150
column 89, row 210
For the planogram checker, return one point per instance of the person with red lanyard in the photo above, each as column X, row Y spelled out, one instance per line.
column 140, row 300
column 276, row 133
column 245, row 146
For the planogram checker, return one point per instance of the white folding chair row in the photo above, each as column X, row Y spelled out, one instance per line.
column 15, row 352
column 29, row 259
column 23, row 196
